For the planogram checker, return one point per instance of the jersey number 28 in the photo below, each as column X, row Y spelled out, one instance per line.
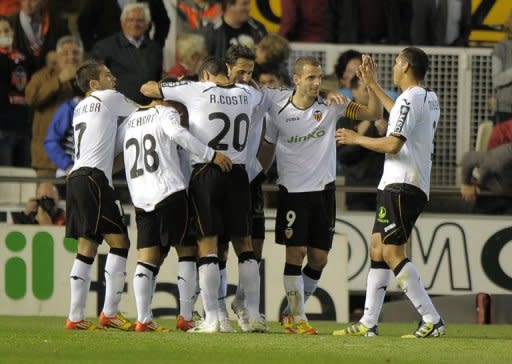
column 151, row 160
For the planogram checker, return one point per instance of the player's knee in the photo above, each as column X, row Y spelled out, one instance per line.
column 318, row 261
column 296, row 254
column 242, row 245
column 120, row 241
column 151, row 255
column 87, row 248
column 186, row 251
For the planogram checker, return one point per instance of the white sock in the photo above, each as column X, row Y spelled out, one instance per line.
column 115, row 276
column 409, row 281
column 240, row 294
column 310, row 285
column 294, row 287
column 377, row 282
column 223, row 291
column 209, row 281
column 143, row 288
column 249, row 277
column 80, row 282
column 187, row 282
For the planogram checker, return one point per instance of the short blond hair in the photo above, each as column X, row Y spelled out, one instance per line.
column 188, row 44
column 303, row 61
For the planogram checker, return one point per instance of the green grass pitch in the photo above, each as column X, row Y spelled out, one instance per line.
column 44, row 340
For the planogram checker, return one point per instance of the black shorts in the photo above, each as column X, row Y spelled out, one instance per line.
column 166, row 225
column 257, row 206
column 398, row 208
column 306, row 218
column 91, row 206
column 221, row 200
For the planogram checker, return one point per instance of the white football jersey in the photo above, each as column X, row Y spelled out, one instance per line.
column 414, row 119
column 152, row 163
column 219, row 116
column 305, row 144
column 95, row 122
column 271, row 95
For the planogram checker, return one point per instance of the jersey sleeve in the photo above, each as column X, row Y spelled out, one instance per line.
column 180, row 91
column 271, row 131
column 121, row 131
column 170, row 121
column 272, row 95
column 119, row 104
column 402, row 120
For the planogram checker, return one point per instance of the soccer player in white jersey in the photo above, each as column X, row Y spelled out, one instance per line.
column 402, row 192
column 219, row 116
column 93, row 215
column 150, row 138
column 301, row 130
column 240, row 62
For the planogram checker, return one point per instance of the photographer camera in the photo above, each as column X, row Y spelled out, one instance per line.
column 43, row 209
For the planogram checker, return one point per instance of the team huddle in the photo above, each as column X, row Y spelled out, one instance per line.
column 195, row 183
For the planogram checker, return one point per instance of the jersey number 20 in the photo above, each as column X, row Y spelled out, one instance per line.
column 239, row 146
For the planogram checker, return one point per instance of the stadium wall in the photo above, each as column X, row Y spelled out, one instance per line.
column 35, row 263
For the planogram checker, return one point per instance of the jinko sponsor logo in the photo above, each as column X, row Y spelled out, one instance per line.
column 313, row 135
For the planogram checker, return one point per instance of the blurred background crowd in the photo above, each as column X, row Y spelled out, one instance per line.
column 42, row 42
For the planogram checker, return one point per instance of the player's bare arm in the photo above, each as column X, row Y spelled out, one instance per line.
column 266, row 154
column 151, row 89
column 389, row 144
column 222, row 161
column 368, row 74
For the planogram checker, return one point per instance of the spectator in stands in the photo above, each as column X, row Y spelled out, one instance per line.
column 235, row 27
column 303, row 20
column 14, row 117
column 273, row 49
column 99, row 19
column 361, row 167
column 502, row 74
column 199, row 13
column 501, row 134
column 345, row 70
column 190, row 54
column 271, row 75
column 341, row 21
column 495, row 170
column 9, row 7
column 273, row 52
column 36, row 31
column 47, row 89
column 365, row 21
column 59, row 142
column 43, row 209
column 441, row 22
column 131, row 56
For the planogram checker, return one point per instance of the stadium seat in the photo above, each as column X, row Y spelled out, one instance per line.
column 16, row 192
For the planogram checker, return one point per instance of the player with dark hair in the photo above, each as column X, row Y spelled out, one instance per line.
column 150, row 137
column 219, row 113
column 93, row 212
column 402, row 192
